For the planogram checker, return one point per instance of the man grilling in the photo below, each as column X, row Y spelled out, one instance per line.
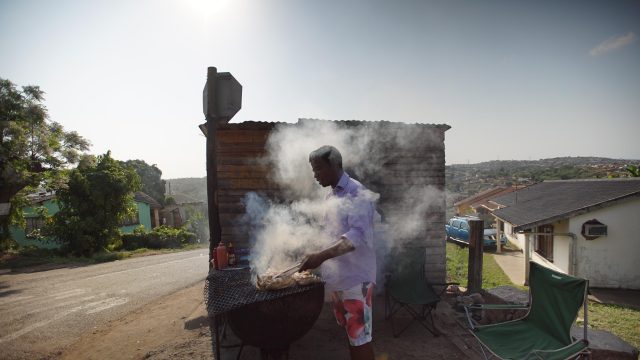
column 349, row 267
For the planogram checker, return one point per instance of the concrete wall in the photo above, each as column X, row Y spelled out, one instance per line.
column 144, row 218
column 611, row 261
column 514, row 238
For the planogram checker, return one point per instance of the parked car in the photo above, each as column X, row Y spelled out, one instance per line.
column 458, row 231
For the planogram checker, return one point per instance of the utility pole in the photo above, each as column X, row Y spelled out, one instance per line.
column 209, row 103
column 221, row 100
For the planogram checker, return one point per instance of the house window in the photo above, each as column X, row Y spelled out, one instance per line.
column 34, row 224
column 544, row 243
column 130, row 220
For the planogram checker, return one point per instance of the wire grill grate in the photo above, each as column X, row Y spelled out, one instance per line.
column 231, row 289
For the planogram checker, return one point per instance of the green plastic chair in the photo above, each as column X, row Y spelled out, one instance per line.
column 407, row 288
column 545, row 331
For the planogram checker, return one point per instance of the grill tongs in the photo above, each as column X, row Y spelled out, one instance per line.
column 288, row 271
column 295, row 267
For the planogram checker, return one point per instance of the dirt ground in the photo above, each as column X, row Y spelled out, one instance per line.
column 173, row 327
column 176, row 327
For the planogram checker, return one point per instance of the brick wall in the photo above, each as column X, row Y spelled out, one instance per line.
column 240, row 150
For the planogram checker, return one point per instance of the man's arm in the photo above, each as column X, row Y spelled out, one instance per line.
column 359, row 221
column 316, row 259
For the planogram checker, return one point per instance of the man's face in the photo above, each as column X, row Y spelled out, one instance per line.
column 323, row 172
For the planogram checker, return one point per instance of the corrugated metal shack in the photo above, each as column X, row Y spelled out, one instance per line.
column 419, row 162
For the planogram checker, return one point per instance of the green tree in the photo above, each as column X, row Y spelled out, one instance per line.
column 97, row 198
column 633, row 170
column 150, row 175
column 197, row 222
column 33, row 150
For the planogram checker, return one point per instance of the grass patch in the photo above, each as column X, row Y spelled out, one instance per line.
column 33, row 257
column 622, row 321
column 458, row 264
column 50, row 258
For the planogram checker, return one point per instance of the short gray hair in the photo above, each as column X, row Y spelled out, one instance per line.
column 327, row 153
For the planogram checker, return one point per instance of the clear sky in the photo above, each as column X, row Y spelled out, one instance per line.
column 514, row 79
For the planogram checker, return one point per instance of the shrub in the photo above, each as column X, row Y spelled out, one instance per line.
column 161, row 237
column 134, row 241
column 169, row 237
column 115, row 244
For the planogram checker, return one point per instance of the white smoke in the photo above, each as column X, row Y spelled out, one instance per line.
column 283, row 232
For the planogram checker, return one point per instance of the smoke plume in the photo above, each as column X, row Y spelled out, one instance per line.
column 282, row 232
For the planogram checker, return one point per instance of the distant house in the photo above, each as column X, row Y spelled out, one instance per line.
column 148, row 208
column 172, row 215
column 34, row 221
column 147, row 216
column 588, row 228
column 479, row 204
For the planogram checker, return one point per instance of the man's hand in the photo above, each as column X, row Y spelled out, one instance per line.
column 312, row 261
column 316, row 259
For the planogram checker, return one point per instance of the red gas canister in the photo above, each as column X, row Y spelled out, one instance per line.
column 214, row 258
column 221, row 255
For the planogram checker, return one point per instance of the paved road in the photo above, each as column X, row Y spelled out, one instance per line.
column 42, row 312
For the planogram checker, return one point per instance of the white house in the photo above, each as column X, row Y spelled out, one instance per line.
column 588, row 228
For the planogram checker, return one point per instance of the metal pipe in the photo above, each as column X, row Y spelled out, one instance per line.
column 527, row 258
column 586, row 312
column 209, row 98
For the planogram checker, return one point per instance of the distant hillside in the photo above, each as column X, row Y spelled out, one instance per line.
column 187, row 189
column 469, row 179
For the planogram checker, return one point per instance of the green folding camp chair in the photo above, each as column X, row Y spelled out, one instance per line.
column 406, row 287
column 544, row 332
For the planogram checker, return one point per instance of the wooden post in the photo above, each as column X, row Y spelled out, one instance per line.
column 215, row 231
column 156, row 218
column 476, row 245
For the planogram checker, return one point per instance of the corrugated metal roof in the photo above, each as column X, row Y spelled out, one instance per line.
column 143, row 197
column 551, row 201
column 252, row 125
column 354, row 122
column 269, row 125
column 41, row 197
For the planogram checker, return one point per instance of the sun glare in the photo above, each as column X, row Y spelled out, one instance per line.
column 205, row 9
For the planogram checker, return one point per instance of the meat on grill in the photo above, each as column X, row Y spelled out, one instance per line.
column 268, row 282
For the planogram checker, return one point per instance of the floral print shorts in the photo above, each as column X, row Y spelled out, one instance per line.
column 353, row 311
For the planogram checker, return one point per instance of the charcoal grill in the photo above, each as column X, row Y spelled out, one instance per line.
column 269, row 320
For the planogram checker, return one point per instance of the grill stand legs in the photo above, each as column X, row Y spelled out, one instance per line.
column 271, row 354
column 221, row 335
